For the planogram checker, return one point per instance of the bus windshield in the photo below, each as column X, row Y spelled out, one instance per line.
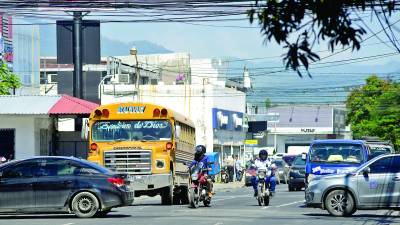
column 336, row 153
column 132, row 130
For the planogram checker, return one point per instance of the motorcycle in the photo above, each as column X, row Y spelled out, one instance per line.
column 264, row 193
column 198, row 191
column 224, row 175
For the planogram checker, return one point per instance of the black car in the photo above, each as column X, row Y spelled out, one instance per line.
column 61, row 184
column 297, row 174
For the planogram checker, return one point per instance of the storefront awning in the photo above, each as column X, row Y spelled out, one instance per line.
column 68, row 105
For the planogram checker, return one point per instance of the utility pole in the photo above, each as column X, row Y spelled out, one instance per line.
column 77, row 79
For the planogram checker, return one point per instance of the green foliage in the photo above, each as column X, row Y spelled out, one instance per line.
column 314, row 21
column 8, row 80
column 267, row 103
column 374, row 110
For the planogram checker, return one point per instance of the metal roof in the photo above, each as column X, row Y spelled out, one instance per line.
column 44, row 105
column 68, row 105
column 27, row 104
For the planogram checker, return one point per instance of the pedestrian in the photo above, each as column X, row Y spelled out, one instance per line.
column 238, row 168
column 230, row 167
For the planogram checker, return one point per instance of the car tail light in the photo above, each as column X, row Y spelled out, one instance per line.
column 117, row 181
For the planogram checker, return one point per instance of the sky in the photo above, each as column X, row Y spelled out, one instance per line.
column 204, row 41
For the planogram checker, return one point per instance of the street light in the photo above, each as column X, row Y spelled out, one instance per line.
column 134, row 52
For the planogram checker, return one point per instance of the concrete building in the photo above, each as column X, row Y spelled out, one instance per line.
column 28, row 125
column 298, row 125
column 199, row 90
column 26, row 50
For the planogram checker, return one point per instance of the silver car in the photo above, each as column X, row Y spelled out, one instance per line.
column 374, row 185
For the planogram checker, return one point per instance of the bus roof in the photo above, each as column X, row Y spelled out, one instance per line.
column 129, row 109
column 336, row 141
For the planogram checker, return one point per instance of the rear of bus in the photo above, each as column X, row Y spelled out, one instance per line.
column 138, row 140
column 334, row 157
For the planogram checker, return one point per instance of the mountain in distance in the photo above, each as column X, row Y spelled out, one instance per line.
column 109, row 47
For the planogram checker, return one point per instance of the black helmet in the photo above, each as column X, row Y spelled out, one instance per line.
column 200, row 150
column 263, row 154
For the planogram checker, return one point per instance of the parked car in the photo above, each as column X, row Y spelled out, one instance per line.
column 289, row 159
column 249, row 172
column 297, row 174
column 282, row 171
column 61, row 184
column 373, row 185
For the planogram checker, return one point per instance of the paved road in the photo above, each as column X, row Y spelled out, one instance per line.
column 230, row 206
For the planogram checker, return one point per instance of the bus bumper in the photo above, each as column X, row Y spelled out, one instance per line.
column 149, row 182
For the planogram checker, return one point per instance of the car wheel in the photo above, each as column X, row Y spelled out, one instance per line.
column 85, row 205
column 340, row 203
column 290, row 188
column 102, row 214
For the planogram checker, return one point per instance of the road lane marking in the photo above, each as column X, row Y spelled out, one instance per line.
column 292, row 203
column 265, row 207
column 68, row 223
column 219, row 224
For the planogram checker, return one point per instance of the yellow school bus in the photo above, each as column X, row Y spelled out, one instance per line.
column 150, row 143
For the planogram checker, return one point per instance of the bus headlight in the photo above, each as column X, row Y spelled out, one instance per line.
column 160, row 163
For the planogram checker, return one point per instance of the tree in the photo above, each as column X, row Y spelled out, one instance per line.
column 8, row 80
column 267, row 103
column 339, row 22
column 374, row 110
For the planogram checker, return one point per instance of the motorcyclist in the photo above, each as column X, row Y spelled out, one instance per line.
column 264, row 163
column 200, row 157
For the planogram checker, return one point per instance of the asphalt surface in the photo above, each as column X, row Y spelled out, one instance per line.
column 232, row 204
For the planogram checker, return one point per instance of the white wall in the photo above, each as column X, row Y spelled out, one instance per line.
column 27, row 133
column 195, row 101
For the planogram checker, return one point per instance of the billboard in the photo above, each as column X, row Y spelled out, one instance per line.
column 227, row 120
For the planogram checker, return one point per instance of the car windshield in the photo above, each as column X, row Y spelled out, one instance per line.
column 132, row 130
column 336, row 153
column 289, row 159
column 298, row 161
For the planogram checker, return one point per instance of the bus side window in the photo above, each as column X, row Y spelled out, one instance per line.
column 178, row 131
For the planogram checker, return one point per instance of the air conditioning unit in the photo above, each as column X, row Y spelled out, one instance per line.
column 52, row 78
column 123, row 78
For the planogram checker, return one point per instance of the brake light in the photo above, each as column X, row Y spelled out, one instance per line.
column 93, row 147
column 117, row 181
column 156, row 113
column 164, row 112
column 106, row 113
column 169, row 146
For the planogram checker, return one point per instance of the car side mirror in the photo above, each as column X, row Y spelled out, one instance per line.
column 366, row 171
column 303, row 156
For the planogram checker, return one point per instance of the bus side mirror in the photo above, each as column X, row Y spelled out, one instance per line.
column 303, row 156
column 177, row 131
